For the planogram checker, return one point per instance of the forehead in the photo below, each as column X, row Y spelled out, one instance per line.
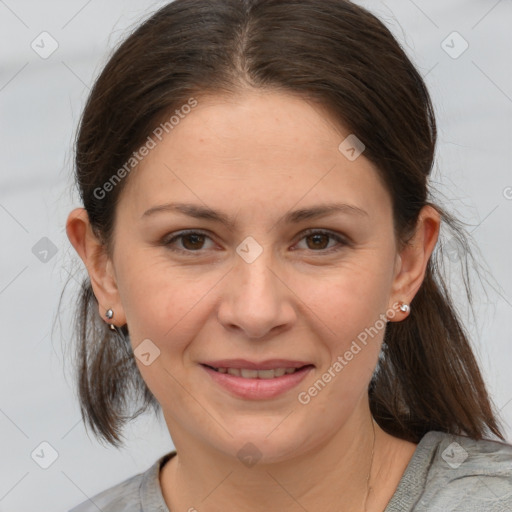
column 270, row 149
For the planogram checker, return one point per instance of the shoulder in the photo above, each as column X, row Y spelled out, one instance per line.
column 477, row 473
column 139, row 493
column 122, row 497
column 456, row 473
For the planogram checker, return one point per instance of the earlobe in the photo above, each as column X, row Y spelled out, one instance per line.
column 97, row 262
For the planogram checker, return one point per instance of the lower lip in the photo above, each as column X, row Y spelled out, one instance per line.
column 258, row 389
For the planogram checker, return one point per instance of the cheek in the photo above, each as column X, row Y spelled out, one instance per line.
column 350, row 298
column 167, row 306
column 350, row 309
column 157, row 295
column 351, row 328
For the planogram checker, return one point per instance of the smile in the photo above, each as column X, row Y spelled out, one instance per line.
column 252, row 384
column 247, row 373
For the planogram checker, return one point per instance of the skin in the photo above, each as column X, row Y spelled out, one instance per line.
column 256, row 156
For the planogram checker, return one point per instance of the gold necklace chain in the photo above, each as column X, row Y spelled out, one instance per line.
column 370, row 471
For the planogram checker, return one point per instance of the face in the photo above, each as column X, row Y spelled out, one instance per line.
column 265, row 284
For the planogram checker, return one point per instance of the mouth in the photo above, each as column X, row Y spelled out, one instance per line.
column 250, row 373
column 257, row 383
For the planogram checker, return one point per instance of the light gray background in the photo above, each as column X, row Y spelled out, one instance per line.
column 40, row 102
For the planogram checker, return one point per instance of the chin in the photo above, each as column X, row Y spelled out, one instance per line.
column 263, row 446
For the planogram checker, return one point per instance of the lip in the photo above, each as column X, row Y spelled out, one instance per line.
column 269, row 364
column 258, row 389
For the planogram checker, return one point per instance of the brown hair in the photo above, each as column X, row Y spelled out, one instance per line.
column 337, row 54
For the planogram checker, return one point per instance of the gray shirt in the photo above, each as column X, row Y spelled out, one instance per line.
column 447, row 473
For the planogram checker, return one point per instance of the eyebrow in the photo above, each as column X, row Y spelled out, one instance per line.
column 293, row 217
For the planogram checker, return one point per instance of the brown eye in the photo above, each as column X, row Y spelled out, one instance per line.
column 191, row 241
column 318, row 241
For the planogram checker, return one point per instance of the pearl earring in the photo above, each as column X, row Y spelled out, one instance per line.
column 110, row 314
column 405, row 308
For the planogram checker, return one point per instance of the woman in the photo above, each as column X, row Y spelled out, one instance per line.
column 259, row 238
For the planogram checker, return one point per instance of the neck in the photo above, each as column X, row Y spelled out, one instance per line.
column 357, row 470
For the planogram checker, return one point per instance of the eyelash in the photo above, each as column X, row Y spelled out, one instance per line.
column 341, row 240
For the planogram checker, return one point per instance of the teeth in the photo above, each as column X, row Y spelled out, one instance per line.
column 248, row 374
column 256, row 374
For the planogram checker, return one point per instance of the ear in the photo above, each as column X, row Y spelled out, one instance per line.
column 411, row 263
column 99, row 266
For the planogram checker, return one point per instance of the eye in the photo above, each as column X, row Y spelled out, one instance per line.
column 316, row 241
column 319, row 240
column 191, row 241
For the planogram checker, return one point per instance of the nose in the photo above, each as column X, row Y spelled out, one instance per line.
column 255, row 298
